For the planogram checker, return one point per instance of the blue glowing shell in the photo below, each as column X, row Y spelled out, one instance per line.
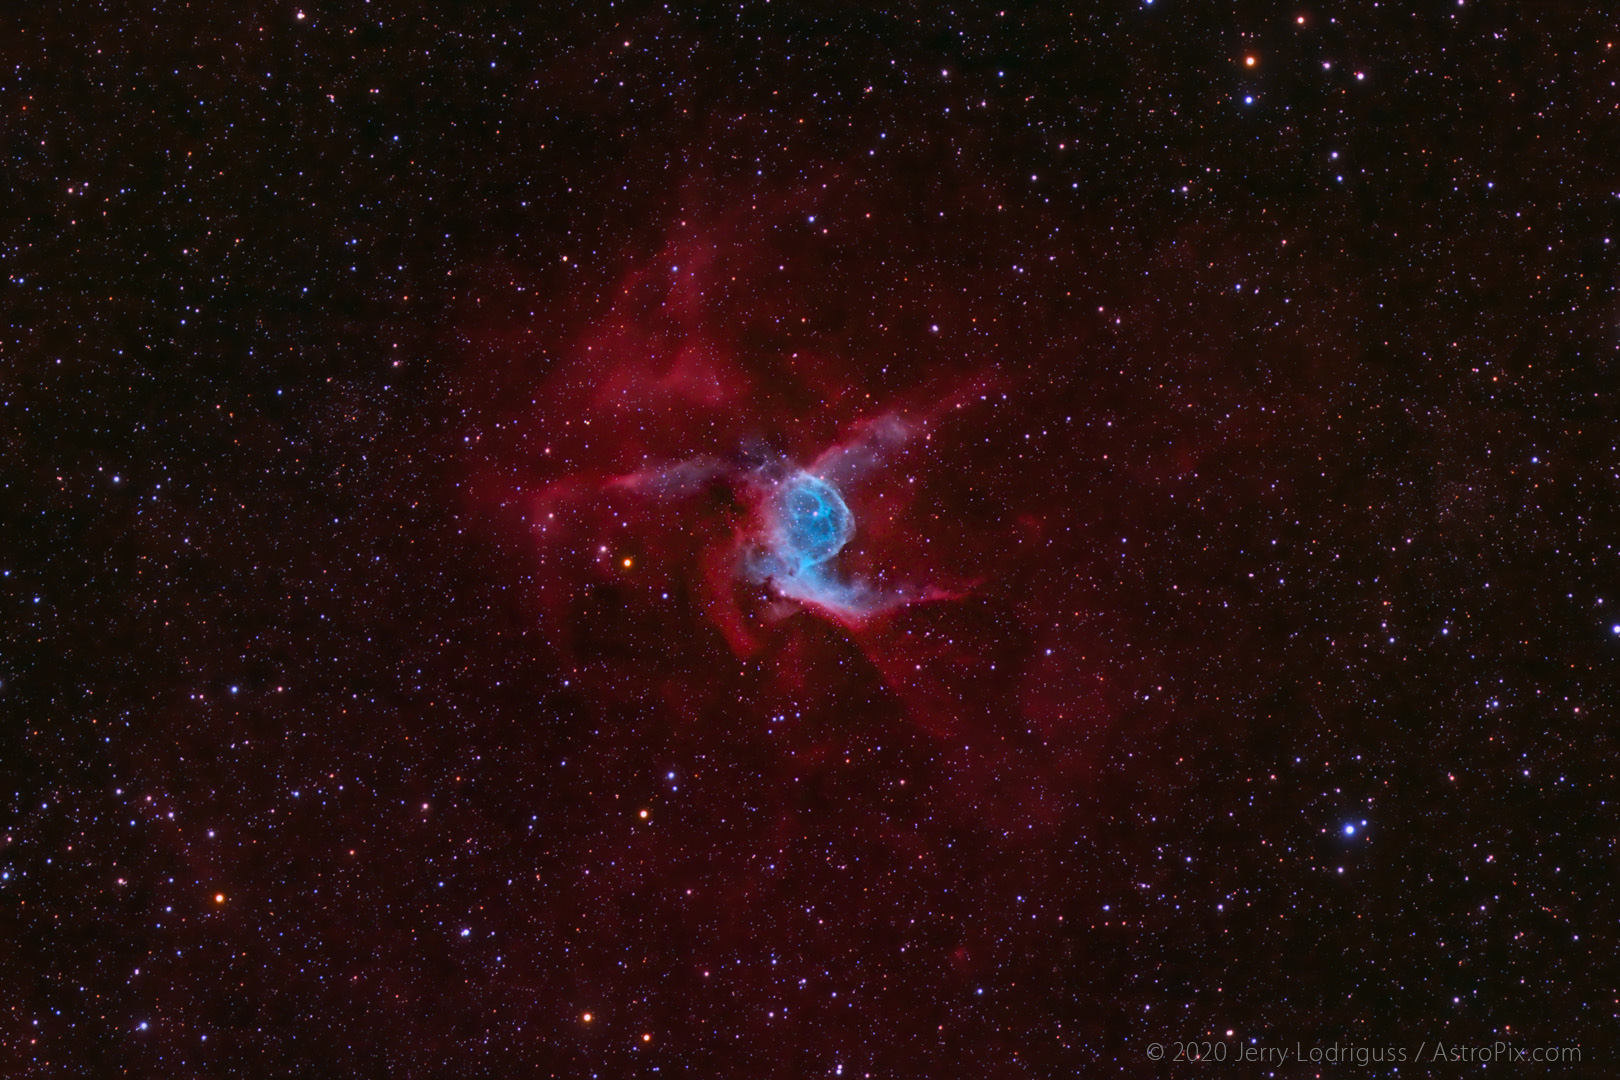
column 812, row 521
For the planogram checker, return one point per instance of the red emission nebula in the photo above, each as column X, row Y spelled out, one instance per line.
column 644, row 453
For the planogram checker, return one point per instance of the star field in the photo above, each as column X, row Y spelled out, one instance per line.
column 408, row 667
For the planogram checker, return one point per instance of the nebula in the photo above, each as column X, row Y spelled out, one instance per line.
column 686, row 478
column 797, row 524
column 808, row 525
column 811, row 523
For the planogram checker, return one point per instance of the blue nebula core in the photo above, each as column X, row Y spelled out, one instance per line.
column 809, row 525
column 813, row 523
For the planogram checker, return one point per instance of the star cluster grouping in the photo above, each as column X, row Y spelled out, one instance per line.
column 1203, row 629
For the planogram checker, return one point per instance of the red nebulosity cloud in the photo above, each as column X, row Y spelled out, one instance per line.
column 669, row 459
column 643, row 464
column 640, row 463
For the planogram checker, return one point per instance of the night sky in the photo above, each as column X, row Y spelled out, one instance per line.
column 797, row 539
